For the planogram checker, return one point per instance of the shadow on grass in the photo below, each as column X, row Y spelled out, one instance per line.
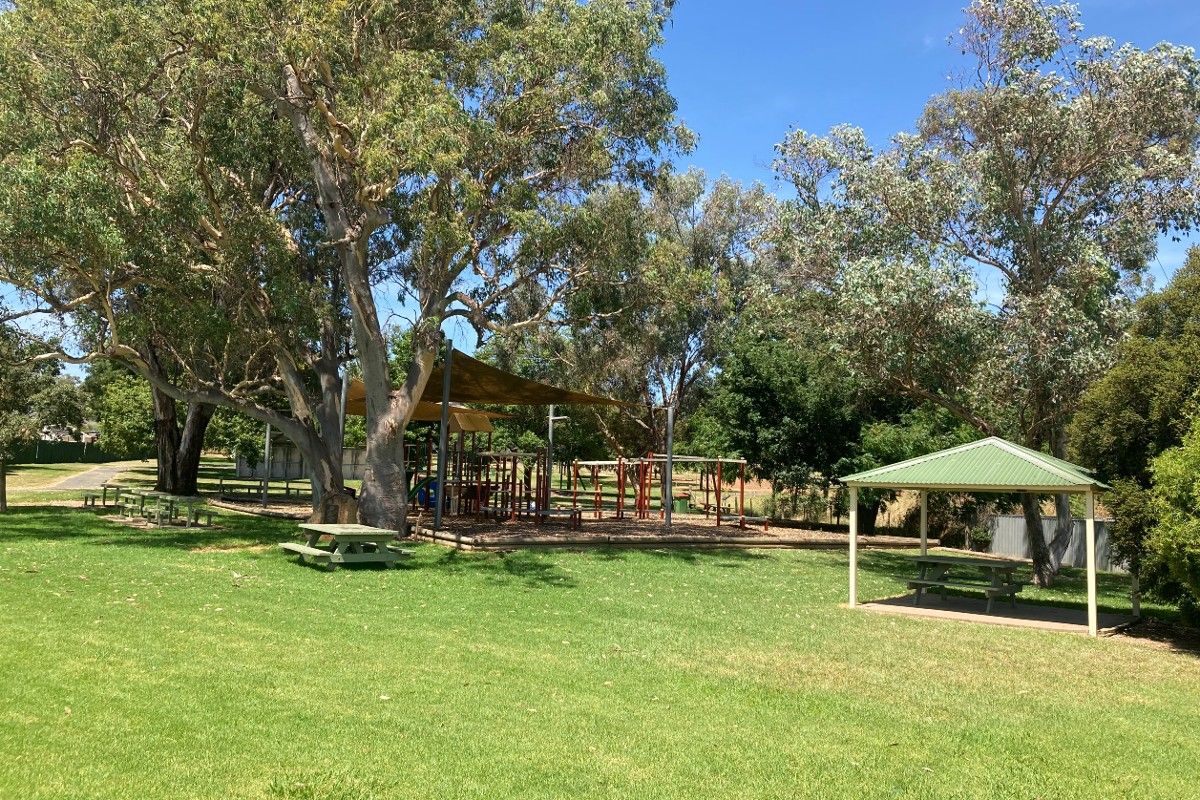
column 534, row 570
column 1173, row 636
column 732, row 557
column 101, row 527
column 51, row 523
column 1068, row 591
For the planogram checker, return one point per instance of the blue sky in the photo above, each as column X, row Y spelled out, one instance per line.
column 745, row 72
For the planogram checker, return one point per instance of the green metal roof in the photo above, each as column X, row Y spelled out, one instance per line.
column 989, row 465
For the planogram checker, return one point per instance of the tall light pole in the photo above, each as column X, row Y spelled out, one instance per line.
column 266, row 465
column 668, row 498
column 550, row 420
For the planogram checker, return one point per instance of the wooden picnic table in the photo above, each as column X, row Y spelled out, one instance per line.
column 349, row 544
column 117, row 488
column 998, row 572
column 142, row 495
column 184, row 505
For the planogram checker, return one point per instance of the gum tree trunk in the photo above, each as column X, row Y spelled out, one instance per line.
column 166, row 441
column 868, row 512
column 3, row 485
column 179, row 448
column 1047, row 558
column 384, row 501
column 1043, row 572
column 191, row 445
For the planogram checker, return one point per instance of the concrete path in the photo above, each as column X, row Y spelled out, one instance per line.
column 92, row 478
column 971, row 609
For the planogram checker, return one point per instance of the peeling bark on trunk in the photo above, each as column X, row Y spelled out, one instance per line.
column 1062, row 531
column 191, row 445
column 384, row 500
column 1039, row 552
column 1062, row 510
column 331, row 501
column 179, row 448
column 166, row 441
column 1047, row 557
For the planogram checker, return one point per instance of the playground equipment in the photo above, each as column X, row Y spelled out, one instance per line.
column 643, row 475
column 507, row 485
column 459, row 472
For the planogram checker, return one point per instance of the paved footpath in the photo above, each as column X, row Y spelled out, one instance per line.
column 92, row 478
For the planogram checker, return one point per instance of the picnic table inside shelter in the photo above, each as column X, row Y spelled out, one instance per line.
column 934, row 573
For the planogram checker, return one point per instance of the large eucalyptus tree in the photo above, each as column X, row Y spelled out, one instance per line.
column 448, row 147
column 434, row 152
column 1051, row 170
column 145, row 208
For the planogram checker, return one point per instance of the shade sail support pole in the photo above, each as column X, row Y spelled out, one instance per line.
column 443, row 433
column 549, row 452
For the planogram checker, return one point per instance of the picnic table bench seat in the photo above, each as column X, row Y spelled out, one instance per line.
column 351, row 544
column 935, row 575
column 315, row 553
column 90, row 497
column 1004, row 588
column 196, row 512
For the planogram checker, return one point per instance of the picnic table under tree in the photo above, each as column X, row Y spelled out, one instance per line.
column 349, row 544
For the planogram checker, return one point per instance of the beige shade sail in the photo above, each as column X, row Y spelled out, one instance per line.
column 462, row 418
column 472, row 381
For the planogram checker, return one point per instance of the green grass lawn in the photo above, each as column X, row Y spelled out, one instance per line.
column 32, row 476
column 155, row 664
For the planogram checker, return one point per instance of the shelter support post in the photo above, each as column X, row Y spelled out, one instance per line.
column 853, row 546
column 1090, row 527
column 924, row 522
column 443, row 432
column 549, row 450
column 620, row 488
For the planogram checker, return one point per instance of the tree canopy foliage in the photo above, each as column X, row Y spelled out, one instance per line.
column 32, row 395
column 1054, row 166
column 1137, row 426
column 1144, row 404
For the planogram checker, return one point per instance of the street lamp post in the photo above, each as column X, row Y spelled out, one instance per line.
column 550, row 420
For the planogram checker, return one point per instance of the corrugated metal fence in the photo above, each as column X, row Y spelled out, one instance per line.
column 1008, row 539
column 288, row 464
